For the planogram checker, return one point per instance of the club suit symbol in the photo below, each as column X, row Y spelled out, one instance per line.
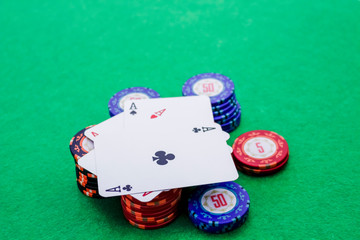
column 196, row 130
column 127, row 188
column 162, row 158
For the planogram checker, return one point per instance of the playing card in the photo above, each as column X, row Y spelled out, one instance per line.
column 154, row 114
column 161, row 112
column 147, row 196
column 104, row 127
column 88, row 162
column 167, row 158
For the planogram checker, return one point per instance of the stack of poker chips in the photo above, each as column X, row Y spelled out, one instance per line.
column 218, row 208
column 220, row 89
column 260, row 152
column 157, row 213
column 116, row 102
column 86, row 181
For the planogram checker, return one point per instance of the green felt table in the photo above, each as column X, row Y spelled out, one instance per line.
column 296, row 69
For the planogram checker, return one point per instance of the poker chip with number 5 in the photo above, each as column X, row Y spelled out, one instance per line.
column 218, row 208
column 261, row 152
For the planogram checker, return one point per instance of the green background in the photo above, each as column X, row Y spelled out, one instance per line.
column 296, row 69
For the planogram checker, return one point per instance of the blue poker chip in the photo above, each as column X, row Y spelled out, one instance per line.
column 218, row 207
column 218, row 229
column 231, row 101
column 116, row 103
column 202, row 226
column 233, row 124
column 228, row 116
column 214, row 85
column 227, row 110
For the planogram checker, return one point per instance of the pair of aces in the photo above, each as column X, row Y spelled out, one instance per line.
column 158, row 144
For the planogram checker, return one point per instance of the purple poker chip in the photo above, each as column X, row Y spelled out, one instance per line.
column 228, row 116
column 233, row 124
column 219, row 204
column 231, row 101
column 116, row 103
column 214, row 85
column 218, row 229
column 228, row 109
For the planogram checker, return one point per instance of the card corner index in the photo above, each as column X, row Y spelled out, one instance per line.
column 126, row 103
column 116, row 190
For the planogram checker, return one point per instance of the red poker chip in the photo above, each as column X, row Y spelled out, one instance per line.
column 158, row 200
column 262, row 172
column 147, row 209
column 151, row 209
column 162, row 195
column 152, row 226
column 260, row 149
column 150, row 220
column 160, row 204
column 154, row 214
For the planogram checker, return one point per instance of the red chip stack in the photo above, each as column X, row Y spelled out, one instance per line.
column 157, row 213
column 260, row 152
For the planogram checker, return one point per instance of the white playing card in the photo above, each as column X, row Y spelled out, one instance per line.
column 171, row 105
column 88, row 162
column 156, row 111
column 167, row 111
column 171, row 157
column 147, row 196
column 104, row 127
column 159, row 113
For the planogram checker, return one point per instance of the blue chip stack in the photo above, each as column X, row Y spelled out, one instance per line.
column 116, row 103
column 220, row 89
column 219, row 207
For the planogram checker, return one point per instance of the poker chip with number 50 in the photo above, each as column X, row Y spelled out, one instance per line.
column 219, row 207
column 260, row 152
column 221, row 91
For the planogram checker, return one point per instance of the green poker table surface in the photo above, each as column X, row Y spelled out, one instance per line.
column 296, row 70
